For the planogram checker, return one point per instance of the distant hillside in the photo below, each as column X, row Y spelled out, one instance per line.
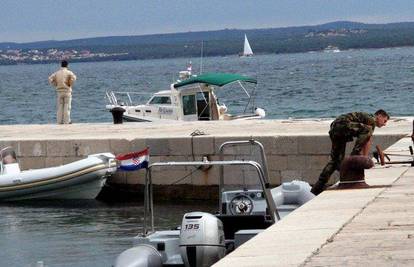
column 342, row 34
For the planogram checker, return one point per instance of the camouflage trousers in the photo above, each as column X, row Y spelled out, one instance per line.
column 340, row 134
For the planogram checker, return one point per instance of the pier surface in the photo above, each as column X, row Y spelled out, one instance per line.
column 371, row 227
column 358, row 227
column 295, row 149
column 130, row 131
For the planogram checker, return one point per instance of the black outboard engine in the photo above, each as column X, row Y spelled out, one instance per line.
column 201, row 239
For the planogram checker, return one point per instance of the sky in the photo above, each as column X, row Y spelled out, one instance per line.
column 39, row 20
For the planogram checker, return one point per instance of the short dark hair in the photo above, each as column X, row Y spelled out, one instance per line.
column 382, row 113
column 64, row 63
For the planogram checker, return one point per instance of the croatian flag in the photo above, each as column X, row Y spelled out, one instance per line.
column 134, row 161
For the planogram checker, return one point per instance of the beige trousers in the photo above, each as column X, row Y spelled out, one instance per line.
column 64, row 102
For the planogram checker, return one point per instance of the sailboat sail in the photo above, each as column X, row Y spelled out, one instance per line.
column 247, row 51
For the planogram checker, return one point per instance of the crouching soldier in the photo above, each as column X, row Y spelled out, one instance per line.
column 343, row 129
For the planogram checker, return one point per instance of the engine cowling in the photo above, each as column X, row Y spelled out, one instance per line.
column 202, row 239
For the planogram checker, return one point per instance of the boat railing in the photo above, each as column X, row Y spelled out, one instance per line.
column 114, row 97
column 148, row 194
column 243, row 143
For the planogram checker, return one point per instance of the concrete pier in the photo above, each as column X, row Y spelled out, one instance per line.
column 295, row 149
column 353, row 227
column 337, row 228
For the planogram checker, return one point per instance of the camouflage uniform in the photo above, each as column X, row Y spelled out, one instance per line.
column 343, row 129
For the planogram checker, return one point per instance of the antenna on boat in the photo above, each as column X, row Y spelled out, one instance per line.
column 201, row 57
column 189, row 68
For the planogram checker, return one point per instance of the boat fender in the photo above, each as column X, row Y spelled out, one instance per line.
column 142, row 255
column 294, row 192
column 297, row 192
column 260, row 112
column 222, row 109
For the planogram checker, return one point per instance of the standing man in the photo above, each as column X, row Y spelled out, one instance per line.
column 343, row 129
column 62, row 80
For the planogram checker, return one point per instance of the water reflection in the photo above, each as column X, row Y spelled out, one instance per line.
column 77, row 233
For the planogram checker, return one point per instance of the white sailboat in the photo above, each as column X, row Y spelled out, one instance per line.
column 247, row 50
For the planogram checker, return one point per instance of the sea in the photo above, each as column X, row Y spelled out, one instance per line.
column 93, row 233
column 84, row 233
column 303, row 85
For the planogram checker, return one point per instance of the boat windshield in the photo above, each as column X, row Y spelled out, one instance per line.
column 241, row 177
column 8, row 156
column 160, row 100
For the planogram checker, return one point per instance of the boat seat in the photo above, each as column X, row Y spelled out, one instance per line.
column 288, row 207
column 9, row 159
column 234, row 223
column 11, row 168
column 8, row 156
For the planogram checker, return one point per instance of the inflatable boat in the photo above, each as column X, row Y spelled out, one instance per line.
column 204, row 238
column 82, row 179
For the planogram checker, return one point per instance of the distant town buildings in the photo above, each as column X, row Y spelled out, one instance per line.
column 35, row 55
column 331, row 33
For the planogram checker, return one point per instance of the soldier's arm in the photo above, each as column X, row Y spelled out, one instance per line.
column 70, row 80
column 73, row 77
column 52, row 79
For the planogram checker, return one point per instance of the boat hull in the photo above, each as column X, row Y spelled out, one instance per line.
column 83, row 179
column 134, row 118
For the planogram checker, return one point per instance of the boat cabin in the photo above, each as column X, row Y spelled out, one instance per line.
column 191, row 99
column 194, row 103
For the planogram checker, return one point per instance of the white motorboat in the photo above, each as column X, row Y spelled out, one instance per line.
column 82, row 179
column 331, row 49
column 191, row 98
column 247, row 49
column 204, row 238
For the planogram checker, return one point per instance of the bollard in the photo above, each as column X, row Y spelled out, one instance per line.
column 117, row 113
column 352, row 174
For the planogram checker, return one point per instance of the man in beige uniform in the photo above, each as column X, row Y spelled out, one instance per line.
column 63, row 80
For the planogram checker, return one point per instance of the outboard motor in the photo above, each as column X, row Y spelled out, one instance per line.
column 201, row 239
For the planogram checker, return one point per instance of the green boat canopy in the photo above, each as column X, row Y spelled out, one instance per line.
column 218, row 79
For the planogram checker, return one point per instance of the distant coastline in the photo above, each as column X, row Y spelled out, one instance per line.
column 343, row 35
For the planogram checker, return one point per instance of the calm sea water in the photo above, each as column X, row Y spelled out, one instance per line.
column 81, row 233
column 91, row 233
column 291, row 85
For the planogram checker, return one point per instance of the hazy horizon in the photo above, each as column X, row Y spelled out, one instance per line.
column 103, row 36
column 31, row 21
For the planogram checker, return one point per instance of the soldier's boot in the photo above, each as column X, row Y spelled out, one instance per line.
column 318, row 188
